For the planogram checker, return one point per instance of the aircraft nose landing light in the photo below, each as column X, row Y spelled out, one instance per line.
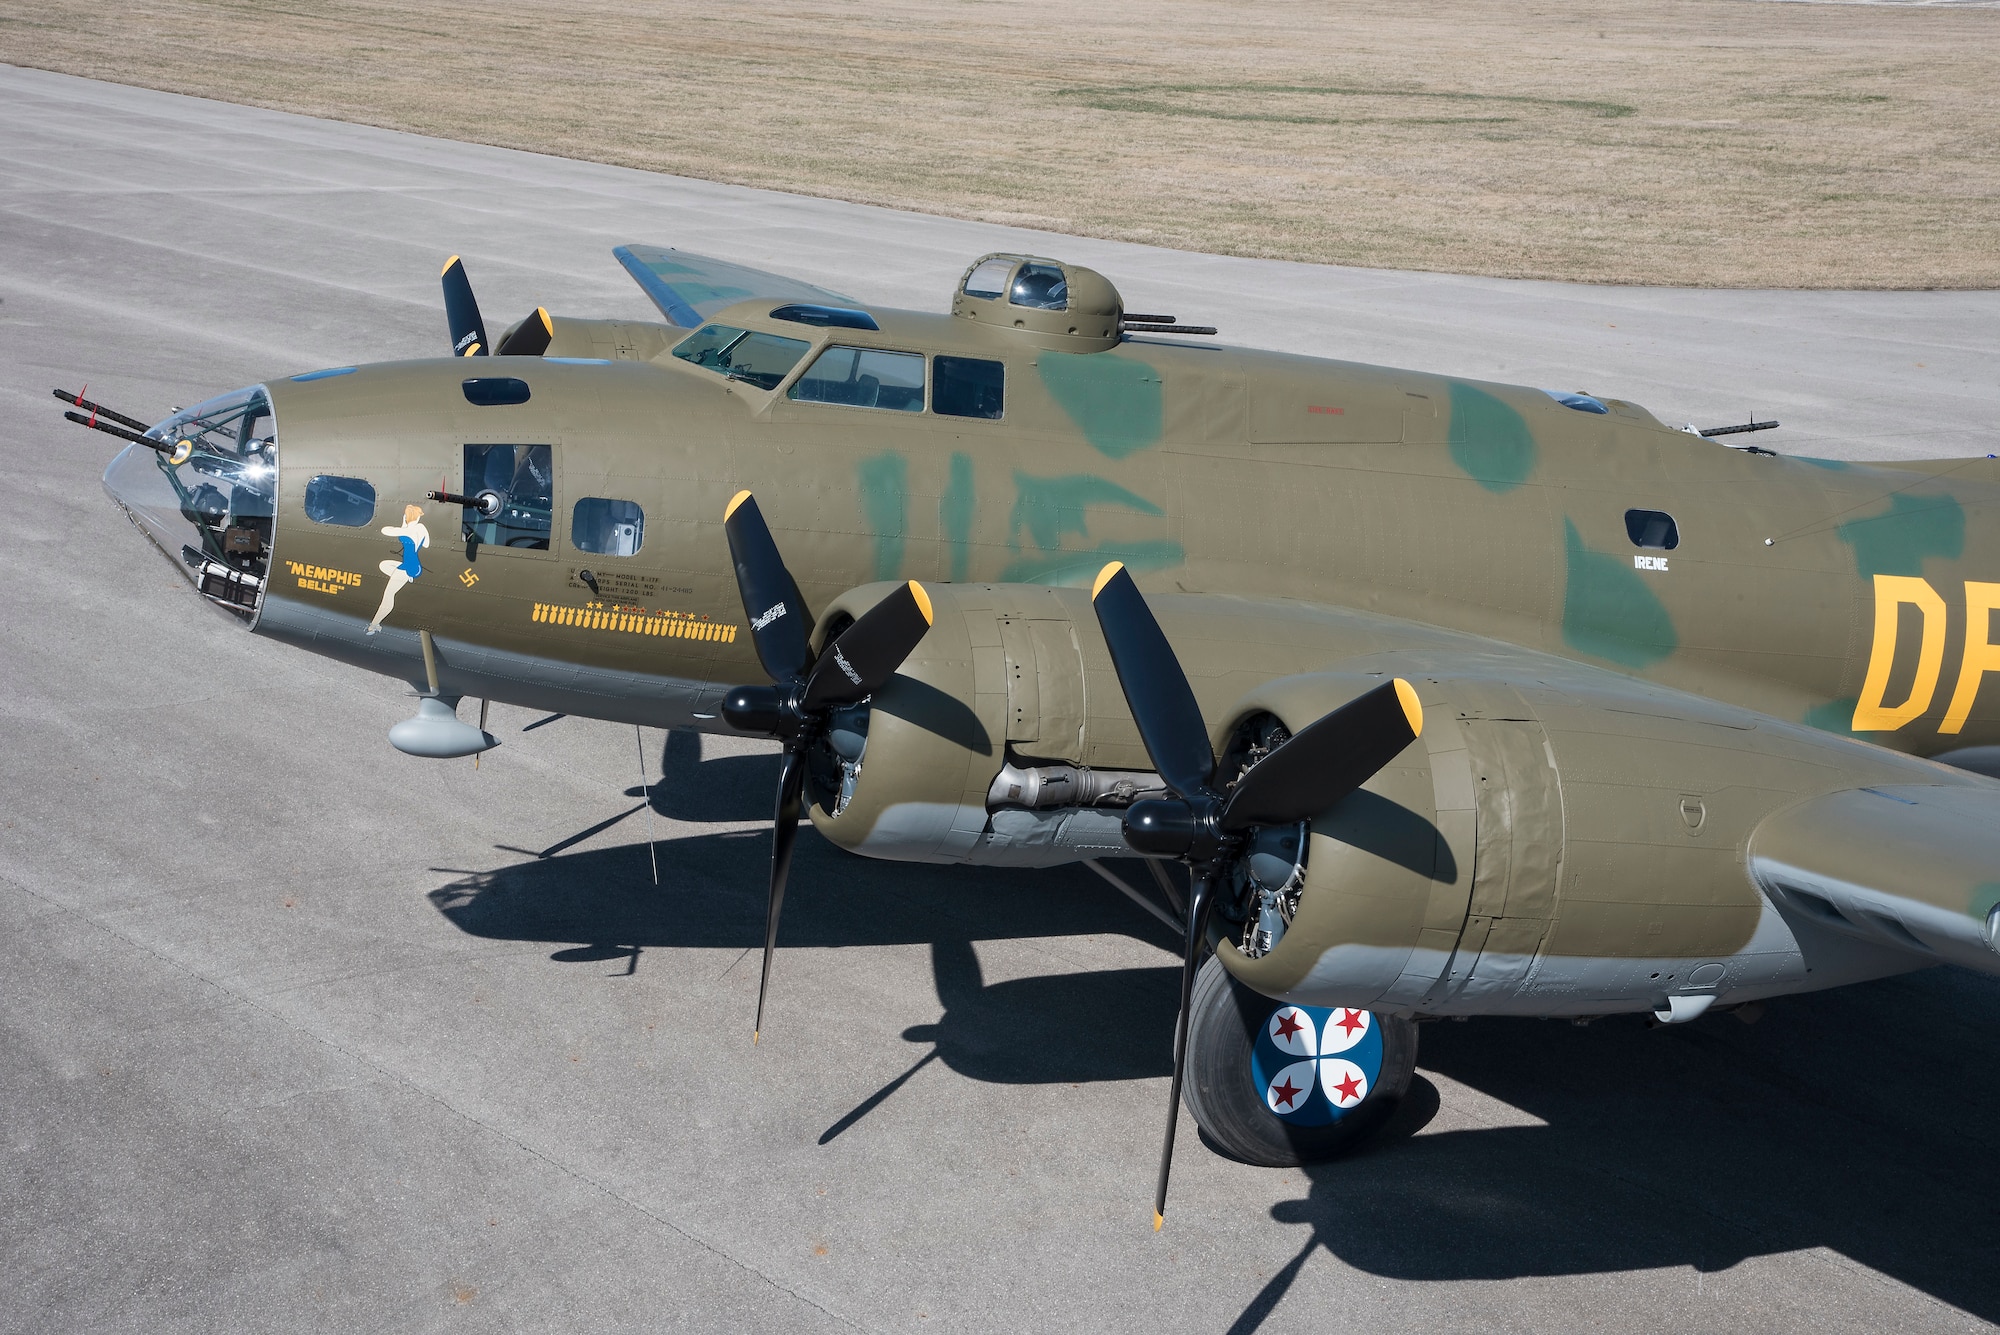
column 202, row 485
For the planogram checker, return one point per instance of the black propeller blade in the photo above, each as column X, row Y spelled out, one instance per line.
column 1315, row 769
column 1328, row 759
column 530, row 338
column 461, row 311
column 780, row 624
column 808, row 690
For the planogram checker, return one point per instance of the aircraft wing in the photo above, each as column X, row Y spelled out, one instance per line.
column 1907, row 865
column 1601, row 816
column 688, row 288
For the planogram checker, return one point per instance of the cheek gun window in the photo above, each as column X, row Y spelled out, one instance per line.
column 606, row 527
column 1652, row 528
column 864, row 378
column 515, row 485
column 340, row 500
column 968, row 387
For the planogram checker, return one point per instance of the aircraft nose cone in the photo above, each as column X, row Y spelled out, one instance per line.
column 206, row 499
column 139, row 484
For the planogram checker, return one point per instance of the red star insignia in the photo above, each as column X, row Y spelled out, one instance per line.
column 1286, row 1092
column 1287, row 1025
column 1350, row 1021
column 1349, row 1087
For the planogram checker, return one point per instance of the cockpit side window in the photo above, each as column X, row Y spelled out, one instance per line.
column 1041, row 286
column 968, row 387
column 762, row 360
column 864, row 378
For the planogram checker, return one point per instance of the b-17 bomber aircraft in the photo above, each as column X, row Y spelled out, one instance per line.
column 1455, row 698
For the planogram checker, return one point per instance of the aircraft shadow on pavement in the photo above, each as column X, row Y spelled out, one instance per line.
column 602, row 905
column 1857, row 1120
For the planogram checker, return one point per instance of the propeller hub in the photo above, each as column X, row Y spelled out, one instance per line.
column 1171, row 828
column 759, row 709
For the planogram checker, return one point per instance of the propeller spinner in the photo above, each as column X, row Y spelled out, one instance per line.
column 1211, row 830
column 796, row 710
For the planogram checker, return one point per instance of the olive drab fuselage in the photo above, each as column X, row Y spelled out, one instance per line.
column 1644, row 657
column 1851, row 597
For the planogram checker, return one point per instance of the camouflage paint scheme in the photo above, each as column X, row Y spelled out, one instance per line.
column 1634, row 784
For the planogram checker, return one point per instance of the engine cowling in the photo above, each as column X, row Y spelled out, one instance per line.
column 1007, row 677
column 1558, row 848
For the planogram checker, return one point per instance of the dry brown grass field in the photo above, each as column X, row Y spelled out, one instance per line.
column 1700, row 142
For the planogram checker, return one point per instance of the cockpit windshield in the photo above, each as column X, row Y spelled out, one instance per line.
column 762, row 360
column 207, row 491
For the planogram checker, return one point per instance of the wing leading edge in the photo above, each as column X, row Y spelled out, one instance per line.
column 689, row 288
column 1906, row 865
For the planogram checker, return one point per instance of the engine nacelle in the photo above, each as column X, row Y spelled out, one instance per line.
column 1570, row 843
column 1011, row 678
column 1559, row 848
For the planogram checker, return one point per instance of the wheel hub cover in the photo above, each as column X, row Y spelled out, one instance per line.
column 1313, row 1065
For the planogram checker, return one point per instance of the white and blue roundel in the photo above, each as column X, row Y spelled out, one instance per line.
column 1314, row 1065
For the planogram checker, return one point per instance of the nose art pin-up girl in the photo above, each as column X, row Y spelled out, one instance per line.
column 414, row 537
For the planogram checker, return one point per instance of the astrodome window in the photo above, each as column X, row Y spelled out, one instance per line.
column 864, row 378
column 758, row 359
column 348, row 501
column 1043, row 287
column 989, row 279
column 606, row 527
column 1583, row 403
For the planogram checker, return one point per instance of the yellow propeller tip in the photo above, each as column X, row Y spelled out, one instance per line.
column 1413, row 708
column 547, row 323
column 1158, row 1219
column 447, row 266
column 1104, row 577
column 734, row 501
column 923, row 602
column 753, row 1038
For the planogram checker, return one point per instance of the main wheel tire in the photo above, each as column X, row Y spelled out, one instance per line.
column 1280, row 1085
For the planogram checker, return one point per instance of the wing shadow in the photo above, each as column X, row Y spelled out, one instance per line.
column 606, row 897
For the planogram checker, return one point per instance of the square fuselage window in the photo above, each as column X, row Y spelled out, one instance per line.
column 606, row 527
column 969, row 387
column 520, row 480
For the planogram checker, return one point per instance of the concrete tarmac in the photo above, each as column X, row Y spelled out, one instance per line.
column 297, row 1033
